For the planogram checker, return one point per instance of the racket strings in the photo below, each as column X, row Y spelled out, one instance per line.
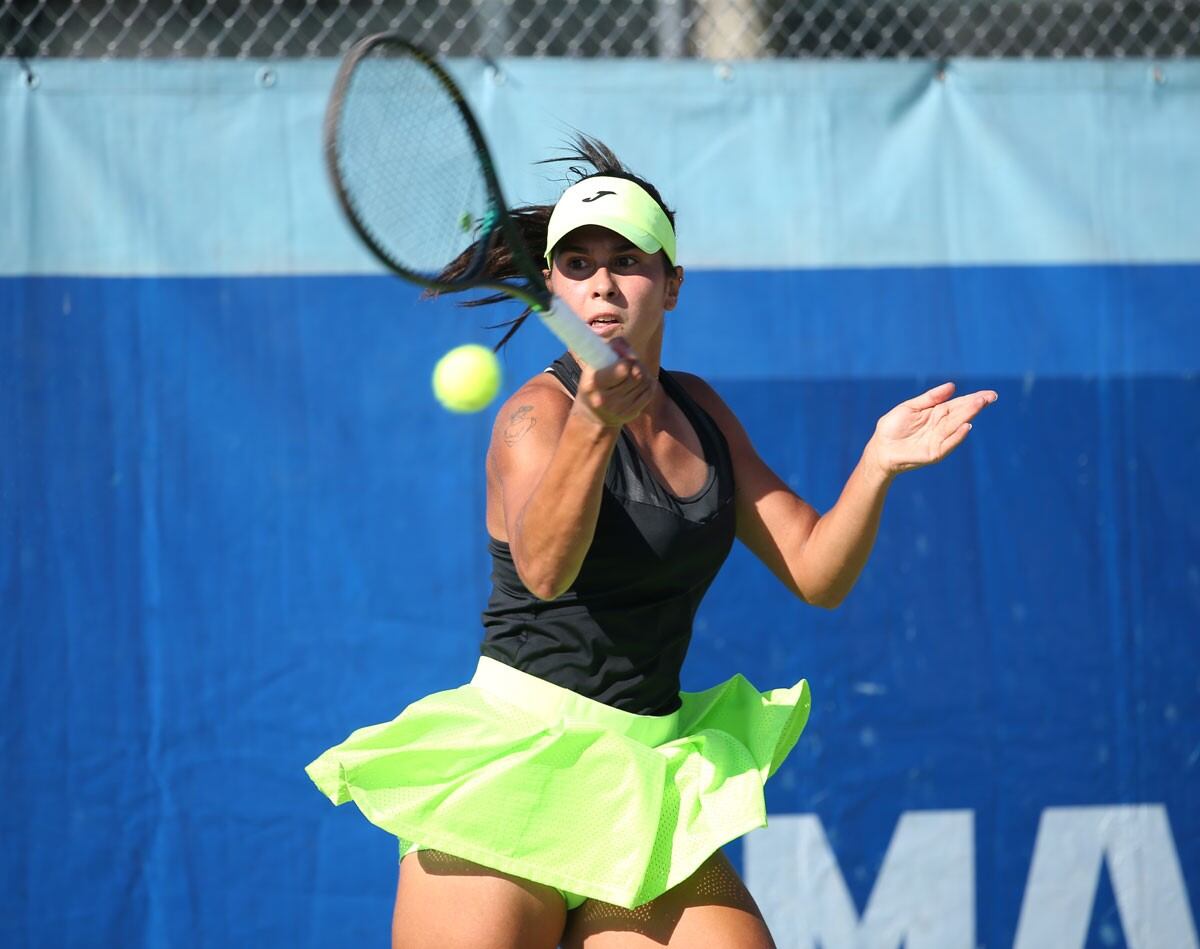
column 531, row 224
column 409, row 167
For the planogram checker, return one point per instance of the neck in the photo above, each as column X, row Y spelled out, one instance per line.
column 650, row 356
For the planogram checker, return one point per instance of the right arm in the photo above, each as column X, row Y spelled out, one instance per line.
column 546, row 466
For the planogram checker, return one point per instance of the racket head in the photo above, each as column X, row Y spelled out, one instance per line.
column 413, row 173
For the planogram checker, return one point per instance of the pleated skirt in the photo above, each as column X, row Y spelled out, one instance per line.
column 523, row 776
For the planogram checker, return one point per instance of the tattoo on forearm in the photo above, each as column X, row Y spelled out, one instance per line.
column 519, row 424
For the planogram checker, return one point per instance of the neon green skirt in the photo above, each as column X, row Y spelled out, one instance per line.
column 518, row 774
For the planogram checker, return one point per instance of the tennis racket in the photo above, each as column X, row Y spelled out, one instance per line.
column 414, row 176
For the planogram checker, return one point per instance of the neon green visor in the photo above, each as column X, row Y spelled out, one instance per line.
column 618, row 204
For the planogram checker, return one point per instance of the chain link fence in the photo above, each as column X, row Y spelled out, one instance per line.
column 710, row 29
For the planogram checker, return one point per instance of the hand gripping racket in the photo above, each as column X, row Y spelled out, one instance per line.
column 415, row 178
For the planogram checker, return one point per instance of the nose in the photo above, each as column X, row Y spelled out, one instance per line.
column 603, row 284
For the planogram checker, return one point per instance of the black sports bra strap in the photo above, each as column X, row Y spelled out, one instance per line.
column 566, row 370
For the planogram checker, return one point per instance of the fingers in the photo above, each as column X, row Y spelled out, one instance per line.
column 618, row 393
column 954, row 423
column 953, row 440
column 938, row 408
column 622, row 348
column 934, row 396
column 626, row 369
column 966, row 407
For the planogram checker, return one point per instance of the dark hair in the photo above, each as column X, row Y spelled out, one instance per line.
column 533, row 220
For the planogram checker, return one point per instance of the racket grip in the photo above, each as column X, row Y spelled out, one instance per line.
column 561, row 320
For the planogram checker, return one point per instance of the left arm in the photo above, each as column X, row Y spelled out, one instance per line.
column 820, row 556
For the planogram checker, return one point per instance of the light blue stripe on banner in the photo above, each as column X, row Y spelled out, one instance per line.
column 214, row 167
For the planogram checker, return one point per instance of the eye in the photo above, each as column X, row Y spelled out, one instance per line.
column 627, row 261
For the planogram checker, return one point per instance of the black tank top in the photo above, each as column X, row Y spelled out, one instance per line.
column 619, row 634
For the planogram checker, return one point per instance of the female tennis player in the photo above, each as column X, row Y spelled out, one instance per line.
column 570, row 793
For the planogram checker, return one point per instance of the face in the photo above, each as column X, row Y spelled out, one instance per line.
column 618, row 289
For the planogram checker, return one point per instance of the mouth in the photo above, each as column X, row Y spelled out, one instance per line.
column 603, row 321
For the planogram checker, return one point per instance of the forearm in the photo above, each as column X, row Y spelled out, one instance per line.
column 554, row 529
column 836, row 550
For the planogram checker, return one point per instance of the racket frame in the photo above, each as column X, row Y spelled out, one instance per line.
column 557, row 316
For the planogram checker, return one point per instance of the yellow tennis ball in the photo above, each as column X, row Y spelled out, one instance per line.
column 467, row 378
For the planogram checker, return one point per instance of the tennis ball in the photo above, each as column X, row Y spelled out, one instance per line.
column 467, row 378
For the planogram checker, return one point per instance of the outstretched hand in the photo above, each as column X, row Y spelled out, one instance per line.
column 924, row 430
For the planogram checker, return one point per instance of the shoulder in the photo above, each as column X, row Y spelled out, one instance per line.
column 699, row 390
column 536, row 411
column 708, row 399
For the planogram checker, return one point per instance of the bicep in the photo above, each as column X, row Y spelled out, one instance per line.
column 523, row 442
